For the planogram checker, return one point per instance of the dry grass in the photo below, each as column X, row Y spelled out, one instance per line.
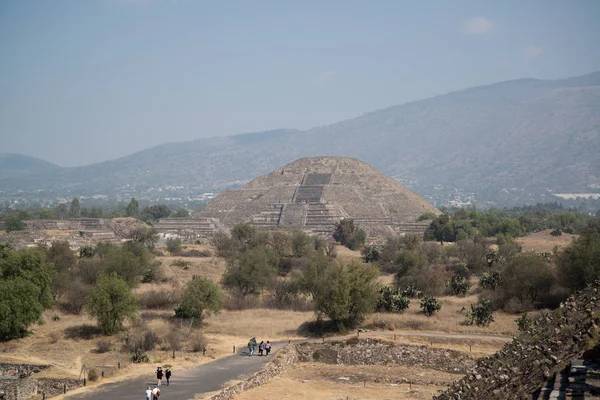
column 543, row 241
column 319, row 381
column 448, row 319
column 207, row 267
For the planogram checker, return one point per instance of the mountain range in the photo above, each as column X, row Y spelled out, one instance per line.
column 528, row 134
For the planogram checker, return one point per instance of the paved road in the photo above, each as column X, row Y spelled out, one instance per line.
column 209, row 377
column 185, row 383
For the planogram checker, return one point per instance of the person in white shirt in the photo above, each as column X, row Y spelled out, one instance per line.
column 155, row 393
column 149, row 393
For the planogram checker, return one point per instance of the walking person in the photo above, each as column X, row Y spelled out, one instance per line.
column 149, row 393
column 159, row 375
column 168, row 375
column 268, row 347
column 155, row 393
column 261, row 348
column 251, row 345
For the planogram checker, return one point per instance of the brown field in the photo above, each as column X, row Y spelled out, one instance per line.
column 543, row 241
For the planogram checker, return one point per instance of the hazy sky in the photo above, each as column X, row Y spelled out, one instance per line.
column 86, row 81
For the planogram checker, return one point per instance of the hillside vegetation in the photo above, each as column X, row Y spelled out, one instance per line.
column 525, row 134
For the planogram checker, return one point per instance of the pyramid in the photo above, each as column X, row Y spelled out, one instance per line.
column 314, row 193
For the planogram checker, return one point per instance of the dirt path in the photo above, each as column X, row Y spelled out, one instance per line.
column 185, row 384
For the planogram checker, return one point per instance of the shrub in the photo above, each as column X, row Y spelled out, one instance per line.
column 143, row 338
column 302, row 244
column 199, row 296
column 480, row 313
column 56, row 318
column 285, row 292
column 411, row 292
column 524, row 323
column 152, row 273
column 370, row 254
column 491, row 280
column 392, row 300
column 556, row 232
column 174, row 339
column 110, row 302
column 458, row 285
column 103, row 345
column 197, row 342
column 579, row 264
column 92, row 375
column 53, row 337
column 157, row 299
column 174, row 246
column 139, row 356
column 430, row 305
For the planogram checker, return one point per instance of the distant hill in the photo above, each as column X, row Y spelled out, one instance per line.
column 525, row 134
column 16, row 165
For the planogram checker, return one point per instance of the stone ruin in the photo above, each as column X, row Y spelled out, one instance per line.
column 19, row 382
column 77, row 231
column 523, row 368
column 315, row 193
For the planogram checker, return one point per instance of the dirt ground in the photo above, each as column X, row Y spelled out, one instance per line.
column 321, row 381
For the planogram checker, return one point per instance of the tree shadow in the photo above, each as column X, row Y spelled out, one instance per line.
column 85, row 332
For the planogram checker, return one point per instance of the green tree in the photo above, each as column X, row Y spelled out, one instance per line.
column 31, row 265
column 111, row 301
column 14, row 223
column 156, row 212
column 174, row 246
column 129, row 261
column 579, row 263
column 344, row 293
column 252, row 271
column 133, row 208
column 19, row 307
column 75, row 208
column 528, row 278
column 349, row 235
column 200, row 296
column 145, row 235
column 61, row 211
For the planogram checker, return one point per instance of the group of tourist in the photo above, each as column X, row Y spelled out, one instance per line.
column 154, row 393
column 262, row 347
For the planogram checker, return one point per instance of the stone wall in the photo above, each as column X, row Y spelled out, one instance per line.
column 54, row 387
column 21, row 370
column 384, row 352
column 520, row 368
column 283, row 360
column 18, row 389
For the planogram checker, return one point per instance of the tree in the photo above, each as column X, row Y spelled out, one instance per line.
column 75, row 208
column 145, row 235
column 392, row 300
column 302, row 244
column 129, row 261
column 579, row 263
column 199, row 297
column 31, row 265
column 182, row 213
column 459, row 285
column 133, row 208
column 61, row 211
column 174, row 246
column 349, row 235
column 528, row 279
column 430, row 305
column 344, row 293
column 19, row 307
column 111, row 301
column 64, row 260
column 524, row 323
column 14, row 223
column 156, row 212
column 252, row 271
column 490, row 280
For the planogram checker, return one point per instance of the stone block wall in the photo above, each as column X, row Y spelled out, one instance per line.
column 18, row 389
